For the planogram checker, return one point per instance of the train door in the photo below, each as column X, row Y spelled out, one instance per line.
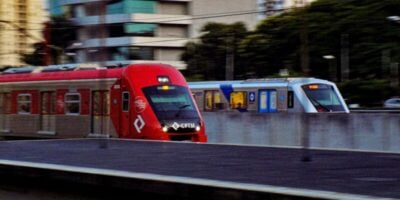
column 47, row 111
column 126, row 124
column 100, row 120
column 5, row 108
column 267, row 101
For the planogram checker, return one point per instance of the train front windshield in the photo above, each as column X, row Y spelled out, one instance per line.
column 171, row 102
column 323, row 97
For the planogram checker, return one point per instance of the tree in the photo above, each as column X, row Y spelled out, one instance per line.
column 331, row 27
column 58, row 33
column 206, row 59
column 277, row 41
column 36, row 57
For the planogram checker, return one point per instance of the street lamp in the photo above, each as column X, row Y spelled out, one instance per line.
column 332, row 67
column 393, row 18
column 394, row 66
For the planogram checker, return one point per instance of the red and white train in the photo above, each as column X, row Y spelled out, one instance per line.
column 141, row 101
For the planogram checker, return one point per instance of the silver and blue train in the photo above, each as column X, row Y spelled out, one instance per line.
column 308, row 95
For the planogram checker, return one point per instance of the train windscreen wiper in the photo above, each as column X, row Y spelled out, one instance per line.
column 317, row 103
column 180, row 109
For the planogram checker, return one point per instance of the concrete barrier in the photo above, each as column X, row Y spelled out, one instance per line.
column 357, row 131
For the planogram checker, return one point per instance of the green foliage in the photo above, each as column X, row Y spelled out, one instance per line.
column 207, row 58
column 61, row 35
column 36, row 57
column 324, row 24
column 367, row 93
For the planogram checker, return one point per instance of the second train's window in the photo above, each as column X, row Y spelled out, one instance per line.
column 24, row 103
column 72, row 103
column 213, row 100
column 238, row 100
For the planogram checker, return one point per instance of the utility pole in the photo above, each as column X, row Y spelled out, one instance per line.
column 102, row 39
column 47, row 54
column 230, row 59
column 344, row 57
column 305, row 61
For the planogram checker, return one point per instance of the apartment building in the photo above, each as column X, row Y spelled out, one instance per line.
column 21, row 24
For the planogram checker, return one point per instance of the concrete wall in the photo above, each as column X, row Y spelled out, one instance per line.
column 359, row 131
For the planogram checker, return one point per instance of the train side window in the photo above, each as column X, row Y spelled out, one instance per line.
column 208, row 97
column 125, row 101
column 238, row 100
column 218, row 105
column 24, row 103
column 290, row 99
column 72, row 103
column 212, row 100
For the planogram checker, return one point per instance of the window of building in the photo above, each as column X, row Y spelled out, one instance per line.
column 238, row 100
column 72, row 103
column 132, row 53
column 140, row 29
column 24, row 103
column 132, row 6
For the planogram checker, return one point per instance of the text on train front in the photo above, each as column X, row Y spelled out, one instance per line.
column 323, row 97
column 174, row 108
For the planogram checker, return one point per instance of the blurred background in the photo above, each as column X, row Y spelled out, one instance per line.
column 353, row 43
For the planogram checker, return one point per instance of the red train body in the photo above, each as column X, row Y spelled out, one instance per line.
column 142, row 101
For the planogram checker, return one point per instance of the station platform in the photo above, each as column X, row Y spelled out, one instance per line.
column 105, row 168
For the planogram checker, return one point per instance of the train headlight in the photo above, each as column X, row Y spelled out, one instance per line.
column 163, row 79
column 165, row 129
column 197, row 128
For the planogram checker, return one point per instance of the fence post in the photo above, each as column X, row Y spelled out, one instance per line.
column 305, row 137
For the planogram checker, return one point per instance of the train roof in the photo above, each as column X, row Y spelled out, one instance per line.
column 53, row 68
column 275, row 82
column 69, row 72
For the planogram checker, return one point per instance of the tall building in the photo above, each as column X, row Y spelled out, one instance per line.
column 21, row 23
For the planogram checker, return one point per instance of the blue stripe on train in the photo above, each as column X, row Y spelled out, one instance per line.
column 227, row 89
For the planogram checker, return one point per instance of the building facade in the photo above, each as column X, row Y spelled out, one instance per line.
column 21, row 24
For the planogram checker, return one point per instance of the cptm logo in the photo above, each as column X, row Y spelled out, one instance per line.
column 139, row 123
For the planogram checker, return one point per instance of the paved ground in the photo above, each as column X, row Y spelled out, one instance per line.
column 360, row 173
